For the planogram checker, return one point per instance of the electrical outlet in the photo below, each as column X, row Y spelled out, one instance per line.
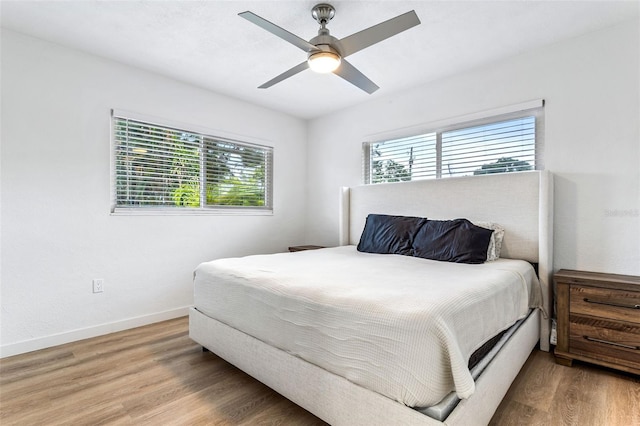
column 98, row 285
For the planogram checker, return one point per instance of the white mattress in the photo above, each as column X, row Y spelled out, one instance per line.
column 401, row 326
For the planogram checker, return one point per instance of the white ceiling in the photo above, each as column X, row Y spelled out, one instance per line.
column 206, row 44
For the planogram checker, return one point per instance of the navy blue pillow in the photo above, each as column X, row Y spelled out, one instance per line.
column 386, row 234
column 456, row 240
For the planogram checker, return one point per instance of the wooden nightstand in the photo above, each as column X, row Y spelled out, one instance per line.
column 302, row 248
column 598, row 319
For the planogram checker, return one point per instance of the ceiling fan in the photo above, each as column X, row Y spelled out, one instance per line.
column 326, row 53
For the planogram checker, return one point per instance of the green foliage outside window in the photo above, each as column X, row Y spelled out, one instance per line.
column 504, row 165
column 389, row 171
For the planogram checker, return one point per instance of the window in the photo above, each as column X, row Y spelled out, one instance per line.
column 162, row 168
column 506, row 143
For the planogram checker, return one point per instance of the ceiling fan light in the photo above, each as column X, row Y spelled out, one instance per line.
column 324, row 62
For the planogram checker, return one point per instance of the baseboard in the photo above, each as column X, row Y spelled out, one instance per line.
column 85, row 333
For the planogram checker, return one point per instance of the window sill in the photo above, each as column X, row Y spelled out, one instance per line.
column 190, row 212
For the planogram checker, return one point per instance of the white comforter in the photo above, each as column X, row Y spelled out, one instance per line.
column 401, row 326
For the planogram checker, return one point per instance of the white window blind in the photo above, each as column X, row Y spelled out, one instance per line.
column 166, row 168
column 505, row 146
column 507, row 143
column 401, row 159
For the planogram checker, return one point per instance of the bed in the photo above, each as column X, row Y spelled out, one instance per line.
column 345, row 392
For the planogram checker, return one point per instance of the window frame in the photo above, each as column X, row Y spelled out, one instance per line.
column 533, row 108
column 266, row 210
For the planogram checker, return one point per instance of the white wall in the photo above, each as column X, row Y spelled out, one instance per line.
column 592, row 114
column 57, row 233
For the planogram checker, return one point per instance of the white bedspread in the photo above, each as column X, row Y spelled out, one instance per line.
column 401, row 326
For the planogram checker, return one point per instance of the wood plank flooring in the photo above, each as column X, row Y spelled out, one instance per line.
column 155, row 375
column 545, row 393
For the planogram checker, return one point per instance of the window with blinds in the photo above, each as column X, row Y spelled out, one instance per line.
column 496, row 145
column 159, row 167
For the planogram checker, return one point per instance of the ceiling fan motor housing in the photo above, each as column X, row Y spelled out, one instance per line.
column 327, row 47
column 326, row 42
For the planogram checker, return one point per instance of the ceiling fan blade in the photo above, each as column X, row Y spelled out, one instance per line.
column 372, row 35
column 293, row 71
column 280, row 32
column 355, row 77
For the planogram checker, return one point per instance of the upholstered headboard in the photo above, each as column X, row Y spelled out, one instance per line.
column 521, row 202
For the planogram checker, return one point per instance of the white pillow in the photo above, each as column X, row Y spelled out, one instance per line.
column 495, row 244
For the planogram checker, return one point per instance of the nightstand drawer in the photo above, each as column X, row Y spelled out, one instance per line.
column 607, row 340
column 607, row 303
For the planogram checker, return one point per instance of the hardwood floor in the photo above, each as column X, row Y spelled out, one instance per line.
column 545, row 393
column 157, row 375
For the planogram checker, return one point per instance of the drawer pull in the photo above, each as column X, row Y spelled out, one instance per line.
column 606, row 302
column 606, row 342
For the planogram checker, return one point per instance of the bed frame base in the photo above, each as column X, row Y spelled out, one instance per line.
column 339, row 401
